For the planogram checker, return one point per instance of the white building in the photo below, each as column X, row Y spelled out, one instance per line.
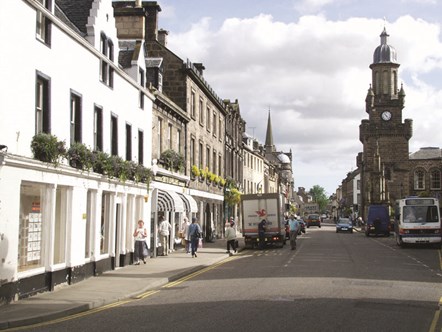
column 61, row 76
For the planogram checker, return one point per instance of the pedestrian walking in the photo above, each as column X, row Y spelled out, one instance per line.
column 164, row 230
column 185, row 234
column 195, row 236
column 261, row 233
column 231, row 238
column 293, row 226
column 141, row 250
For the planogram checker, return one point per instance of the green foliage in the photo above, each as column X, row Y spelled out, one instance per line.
column 80, row 157
column 47, row 148
column 195, row 171
column 319, row 196
column 101, row 163
column 232, row 197
column 293, row 209
column 204, row 172
column 172, row 160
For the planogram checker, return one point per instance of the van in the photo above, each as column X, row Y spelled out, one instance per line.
column 378, row 220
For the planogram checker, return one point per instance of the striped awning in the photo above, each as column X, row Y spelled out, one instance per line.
column 169, row 201
column 189, row 203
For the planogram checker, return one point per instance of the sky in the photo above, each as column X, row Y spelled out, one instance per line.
column 307, row 61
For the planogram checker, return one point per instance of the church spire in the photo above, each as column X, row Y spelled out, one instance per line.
column 269, row 146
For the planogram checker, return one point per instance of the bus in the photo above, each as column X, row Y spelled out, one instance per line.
column 417, row 220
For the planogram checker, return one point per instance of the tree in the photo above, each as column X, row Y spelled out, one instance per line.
column 319, row 196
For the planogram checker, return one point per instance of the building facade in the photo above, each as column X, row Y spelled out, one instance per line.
column 385, row 136
column 204, row 137
column 61, row 223
column 388, row 171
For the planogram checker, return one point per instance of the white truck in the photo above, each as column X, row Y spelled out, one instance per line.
column 256, row 207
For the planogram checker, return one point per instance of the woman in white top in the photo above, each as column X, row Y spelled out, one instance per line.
column 141, row 250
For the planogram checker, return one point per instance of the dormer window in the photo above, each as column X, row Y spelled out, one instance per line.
column 106, row 70
column 44, row 24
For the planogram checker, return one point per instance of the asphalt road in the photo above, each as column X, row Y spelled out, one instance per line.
column 331, row 282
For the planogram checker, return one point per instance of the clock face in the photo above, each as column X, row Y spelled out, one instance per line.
column 386, row 115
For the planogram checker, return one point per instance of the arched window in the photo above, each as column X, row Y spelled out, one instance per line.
column 435, row 179
column 419, row 179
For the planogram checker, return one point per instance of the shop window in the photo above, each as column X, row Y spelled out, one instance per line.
column 31, row 227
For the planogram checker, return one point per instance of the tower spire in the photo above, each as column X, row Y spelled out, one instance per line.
column 269, row 146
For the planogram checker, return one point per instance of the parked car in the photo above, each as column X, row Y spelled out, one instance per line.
column 313, row 220
column 344, row 225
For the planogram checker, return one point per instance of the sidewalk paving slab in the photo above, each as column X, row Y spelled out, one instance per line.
column 110, row 287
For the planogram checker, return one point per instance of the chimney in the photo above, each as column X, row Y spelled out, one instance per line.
column 129, row 19
column 199, row 67
column 151, row 28
column 162, row 37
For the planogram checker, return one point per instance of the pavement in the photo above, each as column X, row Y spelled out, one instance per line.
column 110, row 287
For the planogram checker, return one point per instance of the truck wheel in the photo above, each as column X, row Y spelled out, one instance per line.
column 399, row 241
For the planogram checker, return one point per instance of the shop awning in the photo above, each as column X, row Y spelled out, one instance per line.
column 189, row 203
column 169, row 201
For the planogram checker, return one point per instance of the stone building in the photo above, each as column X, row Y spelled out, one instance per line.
column 388, row 171
column 204, row 134
column 235, row 127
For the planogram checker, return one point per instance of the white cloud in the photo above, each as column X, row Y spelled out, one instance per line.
column 314, row 74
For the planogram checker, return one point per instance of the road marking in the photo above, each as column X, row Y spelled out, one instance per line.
column 119, row 303
column 436, row 318
column 81, row 314
column 146, row 294
column 197, row 273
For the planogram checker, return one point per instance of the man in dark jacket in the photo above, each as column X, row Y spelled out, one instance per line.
column 261, row 233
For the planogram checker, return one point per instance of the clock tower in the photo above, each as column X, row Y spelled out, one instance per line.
column 384, row 163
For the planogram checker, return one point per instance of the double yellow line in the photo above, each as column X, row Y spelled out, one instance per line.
column 122, row 302
column 436, row 318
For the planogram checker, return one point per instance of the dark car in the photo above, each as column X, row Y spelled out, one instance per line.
column 344, row 225
column 313, row 220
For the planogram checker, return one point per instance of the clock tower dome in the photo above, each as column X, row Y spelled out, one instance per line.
column 384, row 163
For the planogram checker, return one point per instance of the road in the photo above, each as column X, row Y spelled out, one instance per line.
column 331, row 282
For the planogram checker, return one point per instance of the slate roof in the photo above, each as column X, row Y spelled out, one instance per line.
column 61, row 15
column 76, row 11
column 427, row 153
